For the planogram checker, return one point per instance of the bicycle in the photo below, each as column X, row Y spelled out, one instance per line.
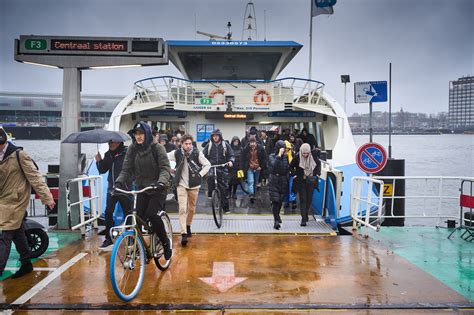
column 130, row 253
column 217, row 210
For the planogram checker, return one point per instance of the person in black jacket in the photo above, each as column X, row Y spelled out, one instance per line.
column 112, row 163
column 306, row 168
column 278, row 167
column 234, row 181
column 163, row 140
column 218, row 151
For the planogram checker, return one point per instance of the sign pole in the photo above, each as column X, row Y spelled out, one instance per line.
column 390, row 110
column 370, row 122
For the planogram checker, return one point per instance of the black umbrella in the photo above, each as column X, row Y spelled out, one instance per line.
column 96, row 136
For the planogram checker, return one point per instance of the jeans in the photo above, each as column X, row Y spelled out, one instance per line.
column 252, row 179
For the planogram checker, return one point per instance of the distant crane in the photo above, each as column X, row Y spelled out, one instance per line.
column 214, row 36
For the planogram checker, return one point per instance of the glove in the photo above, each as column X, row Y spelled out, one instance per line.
column 160, row 186
column 120, row 185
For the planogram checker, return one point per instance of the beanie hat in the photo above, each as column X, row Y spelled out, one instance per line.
column 3, row 136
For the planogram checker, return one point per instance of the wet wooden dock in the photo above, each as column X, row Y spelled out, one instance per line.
column 240, row 274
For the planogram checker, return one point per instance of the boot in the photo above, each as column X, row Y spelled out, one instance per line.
column 276, row 225
column 188, row 230
column 184, row 239
column 24, row 269
column 167, row 250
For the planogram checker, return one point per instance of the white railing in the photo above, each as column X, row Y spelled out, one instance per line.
column 430, row 197
column 94, row 200
column 359, row 197
column 174, row 90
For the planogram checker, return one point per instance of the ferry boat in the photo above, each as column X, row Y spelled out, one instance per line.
column 233, row 86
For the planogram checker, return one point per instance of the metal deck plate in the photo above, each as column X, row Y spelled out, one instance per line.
column 254, row 224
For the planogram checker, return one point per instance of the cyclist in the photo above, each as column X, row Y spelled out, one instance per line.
column 218, row 151
column 147, row 163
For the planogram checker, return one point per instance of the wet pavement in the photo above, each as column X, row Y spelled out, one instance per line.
column 238, row 274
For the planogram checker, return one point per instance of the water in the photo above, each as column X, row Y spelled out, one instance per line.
column 425, row 155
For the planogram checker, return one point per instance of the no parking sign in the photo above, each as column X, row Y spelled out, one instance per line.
column 371, row 157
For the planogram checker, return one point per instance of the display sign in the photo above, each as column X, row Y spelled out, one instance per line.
column 67, row 45
column 370, row 92
column 371, row 157
column 229, row 115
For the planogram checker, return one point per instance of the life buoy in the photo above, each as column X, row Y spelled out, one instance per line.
column 215, row 92
column 262, row 97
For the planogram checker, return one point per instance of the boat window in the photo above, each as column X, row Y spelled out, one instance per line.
column 229, row 66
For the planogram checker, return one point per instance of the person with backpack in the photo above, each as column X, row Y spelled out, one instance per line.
column 112, row 163
column 147, row 163
column 18, row 174
column 191, row 167
column 218, row 151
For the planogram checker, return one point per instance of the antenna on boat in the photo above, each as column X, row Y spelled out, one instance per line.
column 214, row 36
column 249, row 26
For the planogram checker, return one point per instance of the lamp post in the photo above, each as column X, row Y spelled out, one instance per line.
column 345, row 78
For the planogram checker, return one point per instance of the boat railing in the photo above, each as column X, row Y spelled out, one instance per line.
column 89, row 200
column 365, row 200
column 426, row 197
column 173, row 90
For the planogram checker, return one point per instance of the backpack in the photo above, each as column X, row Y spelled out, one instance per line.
column 17, row 152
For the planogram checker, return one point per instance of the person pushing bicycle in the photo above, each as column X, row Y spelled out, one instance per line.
column 218, row 151
column 147, row 163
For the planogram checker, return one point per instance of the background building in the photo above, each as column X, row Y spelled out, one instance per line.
column 461, row 103
column 38, row 116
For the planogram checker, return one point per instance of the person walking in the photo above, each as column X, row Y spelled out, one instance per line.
column 112, row 163
column 254, row 161
column 278, row 180
column 147, row 163
column 18, row 174
column 234, row 180
column 191, row 167
column 306, row 168
column 218, row 151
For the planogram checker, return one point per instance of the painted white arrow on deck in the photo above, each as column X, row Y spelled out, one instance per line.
column 223, row 276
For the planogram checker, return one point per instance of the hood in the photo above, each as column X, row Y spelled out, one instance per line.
column 217, row 132
column 279, row 144
column 143, row 126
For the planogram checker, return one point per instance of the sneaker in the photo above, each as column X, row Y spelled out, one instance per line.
column 24, row 269
column 103, row 232
column 303, row 223
column 184, row 239
column 276, row 226
column 168, row 251
column 188, row 230
column 293, row 205
column 227, row 211
column 107, row 242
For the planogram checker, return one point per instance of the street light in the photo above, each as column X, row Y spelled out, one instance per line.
column 345, row 78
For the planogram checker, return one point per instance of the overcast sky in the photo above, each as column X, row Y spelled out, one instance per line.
column 429, row 42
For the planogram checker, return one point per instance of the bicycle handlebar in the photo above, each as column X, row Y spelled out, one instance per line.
column 219, row 165
column 135, row 192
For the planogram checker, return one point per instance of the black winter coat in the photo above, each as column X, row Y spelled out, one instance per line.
column 112, row 163
column 278, row 168
column 299, row 172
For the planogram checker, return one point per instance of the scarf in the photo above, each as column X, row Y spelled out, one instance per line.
column 288, row 145
column 307, row 163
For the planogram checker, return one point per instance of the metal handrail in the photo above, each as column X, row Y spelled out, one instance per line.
column 183, row 91
column 356, row 187
column 360, row 217
column 95, row 200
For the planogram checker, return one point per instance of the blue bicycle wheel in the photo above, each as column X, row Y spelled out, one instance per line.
column 127, row 266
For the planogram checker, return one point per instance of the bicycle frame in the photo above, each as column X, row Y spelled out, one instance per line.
column 136, row 224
